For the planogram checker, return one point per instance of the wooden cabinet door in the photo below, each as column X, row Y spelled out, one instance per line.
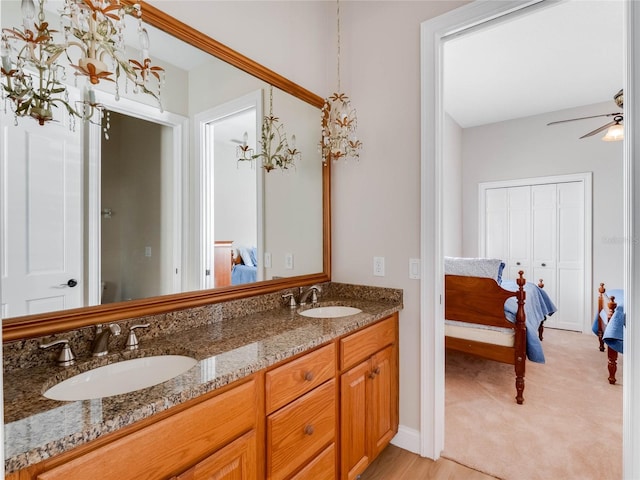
column 382, row 401
column 353, row 421
column 236, row 461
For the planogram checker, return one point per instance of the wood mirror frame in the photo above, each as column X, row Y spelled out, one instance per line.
column 30, row 326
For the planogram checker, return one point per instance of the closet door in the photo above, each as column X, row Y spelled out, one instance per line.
column 570, row 264
column 519, row 232
column 497, row 224
column 540, row 229
column 544, row 236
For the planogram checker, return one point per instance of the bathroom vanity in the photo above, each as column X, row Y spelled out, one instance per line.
column 274, row 395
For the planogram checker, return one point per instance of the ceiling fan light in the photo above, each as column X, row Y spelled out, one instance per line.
column 614, row 133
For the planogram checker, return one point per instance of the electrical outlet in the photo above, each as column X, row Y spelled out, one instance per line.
column 288, row 261
column 147, row 251
column 267, row 260
column 378, row 266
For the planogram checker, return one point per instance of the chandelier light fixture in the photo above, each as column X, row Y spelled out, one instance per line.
column 90, row 42
column 276, row 151
column 339, row 120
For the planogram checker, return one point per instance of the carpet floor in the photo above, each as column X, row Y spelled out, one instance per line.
column 569, row 427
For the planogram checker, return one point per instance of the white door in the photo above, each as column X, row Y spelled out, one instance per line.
column 570, row 267
column 544, row 234
column 540, row 229
column 41, row 220
column 519, row 231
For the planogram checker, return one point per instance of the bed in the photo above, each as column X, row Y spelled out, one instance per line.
column 609, row 325
column 244, row 266
column 488, row 317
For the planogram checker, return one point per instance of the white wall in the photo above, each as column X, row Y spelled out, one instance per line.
column 452, row 189
column 526, row 148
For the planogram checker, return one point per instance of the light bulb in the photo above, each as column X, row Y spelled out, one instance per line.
column 144, row 42
column 5, row 53
column 28, row 9
column 293, row 142
column 245, row 139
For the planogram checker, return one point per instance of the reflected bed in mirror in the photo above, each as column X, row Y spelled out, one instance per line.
column 161, row 193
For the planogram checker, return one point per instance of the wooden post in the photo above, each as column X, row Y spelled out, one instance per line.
column 612, row 355
column 601, row 291
column 521, row 339
column 541, row 327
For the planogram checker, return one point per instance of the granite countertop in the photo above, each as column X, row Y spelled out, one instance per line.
column 37, row 428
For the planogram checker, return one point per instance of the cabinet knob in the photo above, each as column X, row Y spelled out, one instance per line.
column 517, row 263
column 544, row 264
column 308, row 376
column 308, row 430
column 374, row 372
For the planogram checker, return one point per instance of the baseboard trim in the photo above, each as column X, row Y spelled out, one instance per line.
column 407, row 439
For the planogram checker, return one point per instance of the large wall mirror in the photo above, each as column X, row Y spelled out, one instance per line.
column 164, row 216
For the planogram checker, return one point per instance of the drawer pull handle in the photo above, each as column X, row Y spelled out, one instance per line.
column 375, row 372
column 308, row 376
column 308, row 430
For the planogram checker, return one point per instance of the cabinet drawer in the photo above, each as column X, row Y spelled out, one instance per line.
column 171, row 445
column 323, row 467
column 288, row 382
column 361, row 345
column 298, row 431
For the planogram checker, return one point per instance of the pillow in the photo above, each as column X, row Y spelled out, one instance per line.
column 254, row 256
column 246, row 256
column 474, row 267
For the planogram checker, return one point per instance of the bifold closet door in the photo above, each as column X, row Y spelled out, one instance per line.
column 540, row 229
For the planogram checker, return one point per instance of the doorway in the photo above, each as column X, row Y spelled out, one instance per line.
column 434, row 34
column 136, row 213
column 135, row 244
column 232, row 191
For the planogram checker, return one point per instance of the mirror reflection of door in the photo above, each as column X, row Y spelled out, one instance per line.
column 136, row 210
column 41, row 217
column 232, row 214
column 235, row 221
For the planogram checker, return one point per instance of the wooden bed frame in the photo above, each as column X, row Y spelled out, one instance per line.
column 481, row 301
column 612, row 355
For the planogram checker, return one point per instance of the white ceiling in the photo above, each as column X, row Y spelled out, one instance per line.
column 563, row 56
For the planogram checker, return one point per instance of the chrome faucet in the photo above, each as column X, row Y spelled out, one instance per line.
column 66, row 357
column 101, row 342
column 312, row 291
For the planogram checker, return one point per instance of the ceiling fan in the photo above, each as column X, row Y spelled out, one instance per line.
column 618, row 117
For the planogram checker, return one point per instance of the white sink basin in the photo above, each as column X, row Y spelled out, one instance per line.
column 121, row 377
column 333, row 311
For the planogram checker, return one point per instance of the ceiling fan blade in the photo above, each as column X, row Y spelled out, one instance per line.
column 598, row 130
column 584, row 118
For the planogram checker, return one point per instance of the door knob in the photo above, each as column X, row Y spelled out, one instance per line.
column 71, row 283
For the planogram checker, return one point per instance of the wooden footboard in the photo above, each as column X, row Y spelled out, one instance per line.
column 481, row 301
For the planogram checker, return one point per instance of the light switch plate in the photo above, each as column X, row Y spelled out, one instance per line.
column 288, row 261
column 414, row 268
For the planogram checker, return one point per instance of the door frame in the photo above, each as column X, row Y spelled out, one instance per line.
column 93, row 138
column 432, row 35
column 586, row 180
column 205, row 166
